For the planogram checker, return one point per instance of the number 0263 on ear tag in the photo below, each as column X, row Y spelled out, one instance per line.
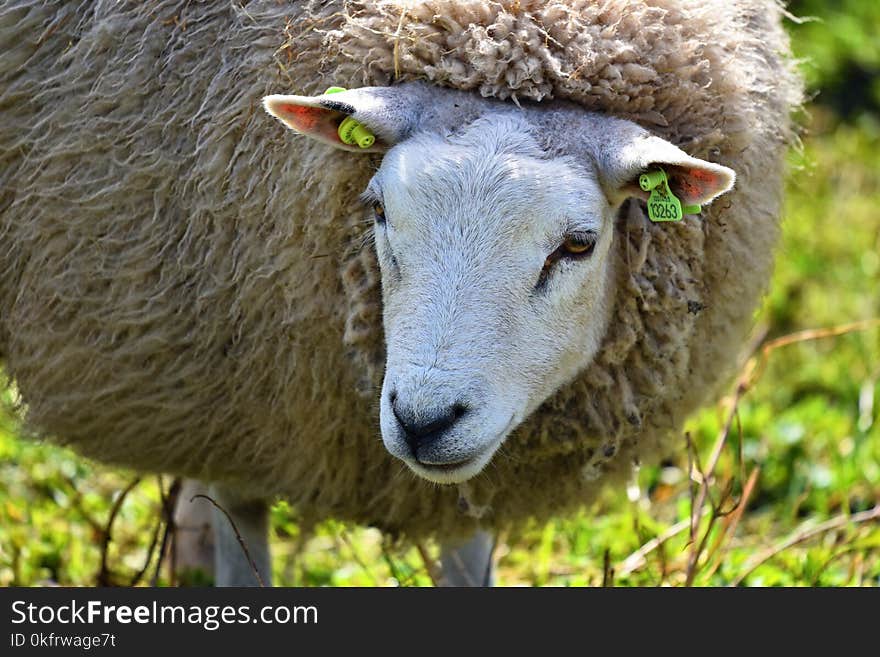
column 663, row 205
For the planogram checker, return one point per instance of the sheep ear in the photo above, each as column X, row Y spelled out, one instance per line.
column 630, row 152
column 388, row 113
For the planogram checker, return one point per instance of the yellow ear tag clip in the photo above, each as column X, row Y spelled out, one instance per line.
column 352, row 132
column 663, row 205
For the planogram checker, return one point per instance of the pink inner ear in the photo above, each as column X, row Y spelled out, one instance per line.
column 694, row 185
column 312, row 121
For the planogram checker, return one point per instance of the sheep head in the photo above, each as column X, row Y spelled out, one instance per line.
column 493, row 229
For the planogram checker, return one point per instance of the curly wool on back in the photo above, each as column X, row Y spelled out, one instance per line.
column 184, row 288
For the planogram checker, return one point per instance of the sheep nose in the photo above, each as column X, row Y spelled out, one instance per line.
column 422, row 429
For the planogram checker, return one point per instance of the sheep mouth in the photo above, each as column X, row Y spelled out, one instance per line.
column 460, row 471
column 452, row 473
column 444, row 467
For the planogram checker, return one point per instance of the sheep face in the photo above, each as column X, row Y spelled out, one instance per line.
column 495, row 268
column 494, row 230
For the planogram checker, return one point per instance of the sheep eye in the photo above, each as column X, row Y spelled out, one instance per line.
column 578, row 245
column 379, row 212
column 575, row 246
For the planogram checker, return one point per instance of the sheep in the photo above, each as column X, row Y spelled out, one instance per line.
column 184, row 288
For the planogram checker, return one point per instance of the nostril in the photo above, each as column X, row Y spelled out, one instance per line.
column 404, row 422
column 421, row 429
column 392, row 397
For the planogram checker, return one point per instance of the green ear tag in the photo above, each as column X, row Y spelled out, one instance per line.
column 663, row 205
column 350, row 131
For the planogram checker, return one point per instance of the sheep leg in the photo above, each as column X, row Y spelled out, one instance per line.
column 193, row 536
column 469, row 563
column 250, row 519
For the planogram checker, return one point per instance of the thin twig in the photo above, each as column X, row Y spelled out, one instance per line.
column 718, row 448
column 168, row 505
column 135, row 580
column 104, row 575
column 607, row 570
column 430, row 565
column 804, row 535
column 241, row 542
column 731, row 524
column 691, row 488
column 803, row 336
column 171, row 530
column 697, row 548
column 638, row 558
column 697, row 508
column 740, row 450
